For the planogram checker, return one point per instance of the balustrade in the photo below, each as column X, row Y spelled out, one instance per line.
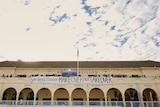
column 81, row 103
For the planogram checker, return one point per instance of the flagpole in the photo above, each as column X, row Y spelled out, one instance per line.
column 77, row 61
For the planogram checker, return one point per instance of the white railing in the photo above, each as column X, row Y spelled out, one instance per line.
column 6, row 103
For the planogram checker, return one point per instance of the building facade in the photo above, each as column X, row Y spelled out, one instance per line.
column 101, row 83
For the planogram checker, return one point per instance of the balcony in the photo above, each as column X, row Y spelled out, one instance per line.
column 79, row 103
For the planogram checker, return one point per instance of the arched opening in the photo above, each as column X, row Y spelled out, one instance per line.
column 79, row 96
column 114, row 95
column 96, row 97
column 44, row 96
column 9, row 94
column 61, row 96
column 149, row 95
column 25, row 93
column 26, row 96
column 131, row 95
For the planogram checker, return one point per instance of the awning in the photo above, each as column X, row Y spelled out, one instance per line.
column 69, row 72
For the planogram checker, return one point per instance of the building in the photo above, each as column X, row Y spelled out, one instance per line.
column 98, row 83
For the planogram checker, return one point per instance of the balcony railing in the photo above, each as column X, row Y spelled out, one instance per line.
column 6, row 103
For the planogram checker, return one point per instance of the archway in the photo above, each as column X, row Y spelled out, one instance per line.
column 79, row 96
column 131, row 95
column 44, row 96
column 113, row 94
column 9, row 94
column 26, row 96
column 149, row 95
column 61, row 96
column 96, row 96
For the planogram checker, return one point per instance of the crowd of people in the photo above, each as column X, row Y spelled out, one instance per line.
column 106, row 75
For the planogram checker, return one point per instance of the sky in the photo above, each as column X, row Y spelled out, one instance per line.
column 102, row 30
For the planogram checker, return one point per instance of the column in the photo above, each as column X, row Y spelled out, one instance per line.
column 52, row 99
column 140, row 95
column 158, row 92
column 1, row 96
column 105, row 100
column 109, row 100
column 123, row 99
column 34, row 100
column 1, row 88
column 87, row 101
column 17, row 96
column 70, row 99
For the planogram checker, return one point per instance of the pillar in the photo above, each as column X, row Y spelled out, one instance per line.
column 105, row 100
column 123, row 99
column 34, row 100
column 1, row 88
column 1, row 95
column 17, row 96
column 140, row 95
column 70, row 99
column 87, row 100
column 52, row 98
column 158, row 92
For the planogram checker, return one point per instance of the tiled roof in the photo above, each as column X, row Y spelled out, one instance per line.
column 82, row 64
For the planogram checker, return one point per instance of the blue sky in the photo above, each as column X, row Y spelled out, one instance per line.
column 51, row 30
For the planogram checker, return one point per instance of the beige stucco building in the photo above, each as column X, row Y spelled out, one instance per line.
column 118, row 83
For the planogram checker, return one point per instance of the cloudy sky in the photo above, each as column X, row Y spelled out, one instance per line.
column 103, row 30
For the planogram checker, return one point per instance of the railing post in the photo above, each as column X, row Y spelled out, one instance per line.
column 146, row 104
column 152, row 104
column 116, row 103
column 131, row 103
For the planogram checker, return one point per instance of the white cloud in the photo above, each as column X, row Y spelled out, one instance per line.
column 115, row 30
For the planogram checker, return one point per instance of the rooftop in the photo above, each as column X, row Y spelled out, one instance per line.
column 82, row 64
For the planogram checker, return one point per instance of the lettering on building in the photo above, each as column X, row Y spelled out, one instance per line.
column 72, row 80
